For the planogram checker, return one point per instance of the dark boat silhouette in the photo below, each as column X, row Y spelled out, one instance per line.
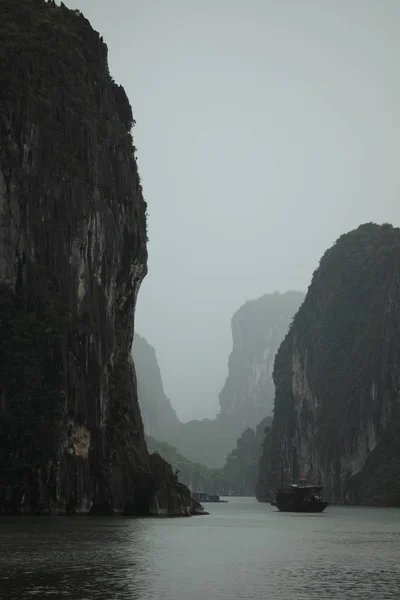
column 299, row 497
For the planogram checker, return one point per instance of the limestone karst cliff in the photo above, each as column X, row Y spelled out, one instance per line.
column 159, row 417
column 337, row 374
column 72, row 257
column 258, row 328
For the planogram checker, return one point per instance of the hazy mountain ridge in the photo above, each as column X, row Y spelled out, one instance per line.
column 258, row 327
column 237, row 477
column 159, row 418
column 193, row 474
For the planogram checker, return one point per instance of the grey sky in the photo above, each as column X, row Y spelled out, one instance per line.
column 265, row 129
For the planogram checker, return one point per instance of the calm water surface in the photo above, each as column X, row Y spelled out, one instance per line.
column 243, row 550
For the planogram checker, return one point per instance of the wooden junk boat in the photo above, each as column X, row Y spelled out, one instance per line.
column 299, row 497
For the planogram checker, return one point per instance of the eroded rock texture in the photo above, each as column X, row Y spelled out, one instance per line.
column 72, row 257
column 337, row 375
column 258, row 328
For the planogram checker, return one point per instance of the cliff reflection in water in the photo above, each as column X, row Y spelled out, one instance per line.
column 243, row 550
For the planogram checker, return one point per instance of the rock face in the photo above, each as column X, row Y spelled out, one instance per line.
column 337, row 374
column 159, row 418
column 258, row 328
column 72, row 257
column 170, row 498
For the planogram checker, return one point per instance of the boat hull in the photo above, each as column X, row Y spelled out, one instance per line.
column 301, row 507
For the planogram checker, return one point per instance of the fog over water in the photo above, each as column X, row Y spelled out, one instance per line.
column 264, row 130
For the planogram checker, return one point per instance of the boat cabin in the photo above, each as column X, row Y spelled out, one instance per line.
column 301, row 492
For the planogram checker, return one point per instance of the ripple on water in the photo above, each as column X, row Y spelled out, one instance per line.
column 242, row 551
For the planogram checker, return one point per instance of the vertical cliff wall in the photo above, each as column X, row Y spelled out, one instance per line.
column 159, row 418
column 258, row 328
column 337, row 374
column 72, row 257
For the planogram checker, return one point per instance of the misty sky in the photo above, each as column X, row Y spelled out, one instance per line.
column 265, row 129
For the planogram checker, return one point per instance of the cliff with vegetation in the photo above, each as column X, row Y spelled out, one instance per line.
column 337, row 374
column 194, row 475
column 258, row 328
column 72, row 257
column 241, row 468
column 159, row 418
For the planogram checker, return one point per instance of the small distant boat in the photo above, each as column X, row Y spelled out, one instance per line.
column 204, row 497
column 299, row 497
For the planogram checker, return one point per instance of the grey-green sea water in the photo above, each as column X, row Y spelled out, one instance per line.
column 243, row 550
